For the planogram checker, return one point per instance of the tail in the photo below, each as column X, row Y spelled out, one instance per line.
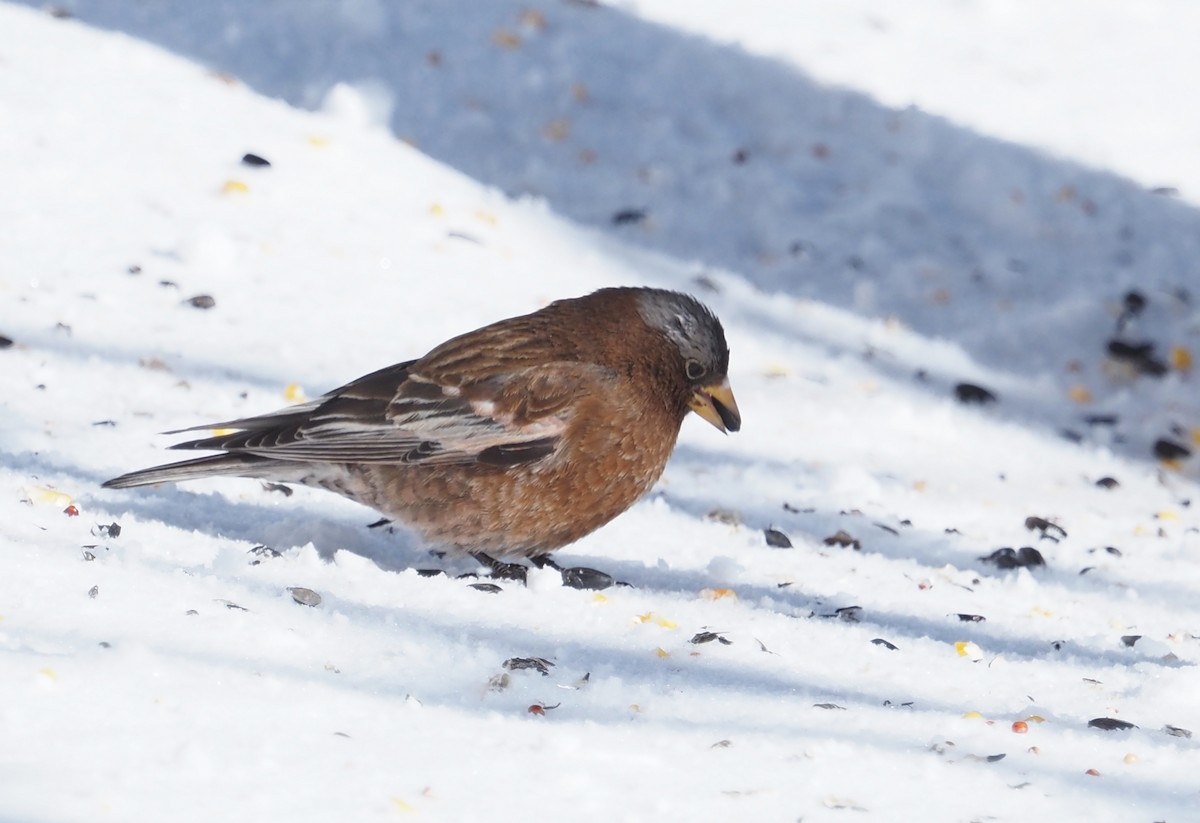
column 237, row 465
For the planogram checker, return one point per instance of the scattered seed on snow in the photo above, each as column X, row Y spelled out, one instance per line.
column 1035, row 523
column 1007, row 558
column 305, row 597
column 1169, row 450
column 538, row 664
column 970, row 393
column 1110, row 724
column 581, row 577
column 628, row 216
column 843, row 539
column 201, row 301
column 777, row 539
column 851, row 614
column 1138, row 355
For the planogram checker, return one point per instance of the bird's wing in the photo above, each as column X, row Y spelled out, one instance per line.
column 502, row 412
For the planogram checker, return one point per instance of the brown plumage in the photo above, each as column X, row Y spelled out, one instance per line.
column 514, row 439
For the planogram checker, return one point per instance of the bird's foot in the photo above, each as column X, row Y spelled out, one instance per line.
column 574, row 577
column 501, row 570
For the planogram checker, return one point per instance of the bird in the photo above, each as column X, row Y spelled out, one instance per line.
column 509, row 441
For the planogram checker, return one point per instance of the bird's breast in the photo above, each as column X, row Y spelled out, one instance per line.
column 608, row 457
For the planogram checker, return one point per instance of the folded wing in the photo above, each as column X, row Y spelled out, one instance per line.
column 504, row 416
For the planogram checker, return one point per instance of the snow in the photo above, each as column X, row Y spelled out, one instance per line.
column 880, row 204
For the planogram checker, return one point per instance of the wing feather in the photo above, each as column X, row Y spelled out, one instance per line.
column 467, row 401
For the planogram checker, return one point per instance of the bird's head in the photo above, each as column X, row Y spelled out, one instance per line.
column 697, row 335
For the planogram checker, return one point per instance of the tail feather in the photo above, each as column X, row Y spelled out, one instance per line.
column 238, row 465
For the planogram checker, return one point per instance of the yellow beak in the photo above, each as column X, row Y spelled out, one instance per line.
column 715, row 404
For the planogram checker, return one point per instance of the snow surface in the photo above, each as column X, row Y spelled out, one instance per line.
column 865, row 256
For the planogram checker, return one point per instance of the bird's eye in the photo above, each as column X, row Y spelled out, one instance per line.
column 694, row 370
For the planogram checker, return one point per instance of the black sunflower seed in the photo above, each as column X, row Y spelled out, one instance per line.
column 708, row 637
column 777, row 539
column 1170, row 450
column 627, row 216
column 1110, row 724
column 201, row 301
column 538, row 664
column 581, row 577
column 970, row 393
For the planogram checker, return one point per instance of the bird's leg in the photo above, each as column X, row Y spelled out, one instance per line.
column 501, row 570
